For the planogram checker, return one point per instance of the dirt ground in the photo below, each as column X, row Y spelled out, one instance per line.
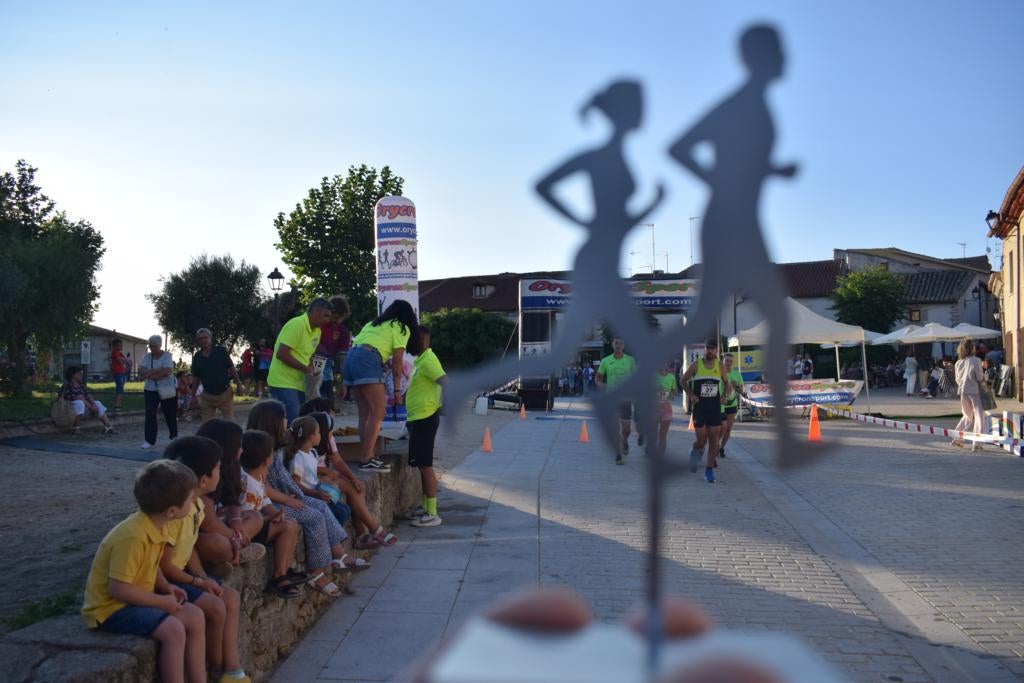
column 57, row 507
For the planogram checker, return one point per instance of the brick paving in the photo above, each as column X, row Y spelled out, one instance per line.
column 893, row 558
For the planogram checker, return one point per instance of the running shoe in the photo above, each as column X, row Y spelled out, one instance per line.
column 415, row 512
column 618, row 458
column 695, row 457
column 146, row 445
column 721, row 452
column 375, row 465
column 640, row 439
column 427, row 520
column 709, row 475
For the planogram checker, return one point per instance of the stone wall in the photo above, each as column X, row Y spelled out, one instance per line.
column 63, row 650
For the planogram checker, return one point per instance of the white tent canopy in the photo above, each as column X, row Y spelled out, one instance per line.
column 869, row 338
column 895, row 337
column 805, row 327
column 975, row 332
column 932, row 332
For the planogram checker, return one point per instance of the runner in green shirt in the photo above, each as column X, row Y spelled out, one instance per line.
column 613, row 371
column 731, row 404
column 666, row 388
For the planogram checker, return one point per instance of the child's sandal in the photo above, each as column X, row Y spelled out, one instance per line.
column 330, row 589
column 348, row 563
column 367, row 542
column 282, row 588
column 386, row 538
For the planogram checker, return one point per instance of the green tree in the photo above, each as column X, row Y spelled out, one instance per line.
column 213, row 292
column 48, row 266
column 327, row 240
column 464, row 337
column 872, row 298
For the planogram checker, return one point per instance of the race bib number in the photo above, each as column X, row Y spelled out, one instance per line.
column 709, row 390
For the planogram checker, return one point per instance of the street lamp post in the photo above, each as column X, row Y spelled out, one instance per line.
column 276, row 280
column 976, row 294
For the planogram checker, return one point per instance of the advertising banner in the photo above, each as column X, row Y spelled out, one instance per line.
column 395, row 228
column 394, row 221
column 547, row 294
column 751, row 364
column 805, row 393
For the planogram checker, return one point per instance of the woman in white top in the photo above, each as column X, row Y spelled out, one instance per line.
column 160, row 390
column 968, row 381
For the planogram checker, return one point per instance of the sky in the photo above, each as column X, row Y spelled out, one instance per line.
column 185, row 128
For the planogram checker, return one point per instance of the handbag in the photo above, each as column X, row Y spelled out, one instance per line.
column 165, row 392
column 988, row 398
column 61, row 412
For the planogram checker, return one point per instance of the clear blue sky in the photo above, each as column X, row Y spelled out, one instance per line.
column 186, row 128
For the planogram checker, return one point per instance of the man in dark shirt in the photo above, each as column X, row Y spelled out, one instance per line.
column 213, row 367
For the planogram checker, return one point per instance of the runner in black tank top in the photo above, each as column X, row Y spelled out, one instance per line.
column 706, row 385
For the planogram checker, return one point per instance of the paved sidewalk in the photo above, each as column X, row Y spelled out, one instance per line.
column 880, row 556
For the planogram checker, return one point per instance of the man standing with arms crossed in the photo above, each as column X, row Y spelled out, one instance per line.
column 613, row 371
column 703, row 382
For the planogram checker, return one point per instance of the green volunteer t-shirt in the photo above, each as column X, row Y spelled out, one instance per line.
column 298, row 336
column 616, row 370
column 666, row 385
column 423, row 397
column 385, row 338
column 736, row 380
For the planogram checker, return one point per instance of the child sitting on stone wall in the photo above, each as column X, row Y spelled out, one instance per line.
column 127, row 593
column 181, row 566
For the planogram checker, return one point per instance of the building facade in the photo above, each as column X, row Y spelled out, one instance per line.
column 1006, row 283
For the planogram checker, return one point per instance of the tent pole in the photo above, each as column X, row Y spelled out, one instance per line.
column 739, row 360
column 864, row 365
column 837, row 362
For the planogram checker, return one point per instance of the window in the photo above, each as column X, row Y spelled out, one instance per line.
column 536, row 327
column 482, row 291
column 915, row 315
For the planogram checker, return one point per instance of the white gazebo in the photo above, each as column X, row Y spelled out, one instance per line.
column 807, row 327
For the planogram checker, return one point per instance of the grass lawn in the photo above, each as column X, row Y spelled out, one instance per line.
column 38, row 404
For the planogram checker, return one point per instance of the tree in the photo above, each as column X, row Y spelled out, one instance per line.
column 214, row 292
column 327, row 240
column 48, row 266
column 464, row 337
column 872, row 298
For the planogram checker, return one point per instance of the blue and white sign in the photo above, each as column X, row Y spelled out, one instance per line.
column 397, row 274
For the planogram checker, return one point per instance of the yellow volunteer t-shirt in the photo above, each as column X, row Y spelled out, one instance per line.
column 298, row 336
column 183, row 534
column 423, row 398
column 385, row 338
column 130, row 552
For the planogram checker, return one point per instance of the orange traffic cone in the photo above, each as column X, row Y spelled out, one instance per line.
column 522, row 411
column 690, row 428
column 814, row 429
column 584, row 437
column 487, row 447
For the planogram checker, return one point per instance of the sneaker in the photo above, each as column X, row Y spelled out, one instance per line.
column 695, row 457
column 709, row 475
column 375, row 465
column 146, row 445
column 252, row 553
column 625, row 447
column 427, row 520
column 109, row 431
column 721, row 452
column 415, row 512
column 618, row 458
column 640, row 439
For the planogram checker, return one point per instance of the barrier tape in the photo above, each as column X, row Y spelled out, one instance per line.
column 503, row 388
column 905, row 426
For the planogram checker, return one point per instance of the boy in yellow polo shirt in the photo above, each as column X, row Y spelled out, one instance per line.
column 127, row 593
column 181, row 566
column 423, row 404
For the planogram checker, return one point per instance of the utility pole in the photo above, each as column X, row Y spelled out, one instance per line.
column 653, row 261
column 963, row 246
column 692, row 219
